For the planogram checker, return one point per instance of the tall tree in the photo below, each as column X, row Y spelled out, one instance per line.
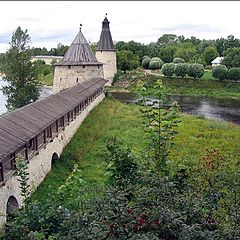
column 210, row 54
column 20, row 72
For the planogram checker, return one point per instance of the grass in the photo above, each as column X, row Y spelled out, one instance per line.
column 47, row 80
column 113, row 118
column 206, row 87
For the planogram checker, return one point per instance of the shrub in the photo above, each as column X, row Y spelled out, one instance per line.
column 195, row 70
column 168, row 69
column 146, row 62
column 145, row 57
column 209, row 54
column 181, row 69
column 178, row 60
column 220, row 72
column 155, row 63
column 233, row 74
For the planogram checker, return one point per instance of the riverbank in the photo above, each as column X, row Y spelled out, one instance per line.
column 113, row 118
column 206, row 87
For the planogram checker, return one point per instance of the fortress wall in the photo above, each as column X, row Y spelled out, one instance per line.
column 40, row 165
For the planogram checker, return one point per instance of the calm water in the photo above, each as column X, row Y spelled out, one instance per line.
column 212, row 108
column 45, row 91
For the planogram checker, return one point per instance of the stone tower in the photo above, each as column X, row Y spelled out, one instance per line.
column 106, row 52
column 78, row 65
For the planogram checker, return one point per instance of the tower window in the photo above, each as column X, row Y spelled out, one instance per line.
column 83, row 66
column 98, row 66
column 77, row 79
column 69, row 67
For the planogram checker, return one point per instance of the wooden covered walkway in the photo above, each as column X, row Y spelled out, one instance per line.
column 26, row 130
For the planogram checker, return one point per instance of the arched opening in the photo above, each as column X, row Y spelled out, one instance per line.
column 12, row 207
column 54, row 158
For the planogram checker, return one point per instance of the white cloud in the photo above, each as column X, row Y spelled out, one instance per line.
column 49, row 23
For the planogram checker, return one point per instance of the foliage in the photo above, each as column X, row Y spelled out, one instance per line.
column 122, row 166
column 20, row 72
column 231, row 57
column 186, row 52
column 168, row 69
column 181, row 69
column 209, row 54
column 178, row 60
column 220, row 72
column 145, row 62
column 23, row 177
column 195, row 70
column 233, row 74
column 127, row 60
column 167, row 53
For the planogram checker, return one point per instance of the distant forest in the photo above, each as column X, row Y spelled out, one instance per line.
column 167, row 47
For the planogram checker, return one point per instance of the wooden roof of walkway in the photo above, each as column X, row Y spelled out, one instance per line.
column 20, row 126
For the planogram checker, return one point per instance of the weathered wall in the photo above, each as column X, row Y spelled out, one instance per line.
column 40, row 164
column 108, row 58
column 65, row 77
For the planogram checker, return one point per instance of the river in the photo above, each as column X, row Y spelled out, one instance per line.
column 211, row 108
column 45, row 91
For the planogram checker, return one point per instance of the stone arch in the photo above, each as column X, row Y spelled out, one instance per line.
column 12, row 207
column 55, row 157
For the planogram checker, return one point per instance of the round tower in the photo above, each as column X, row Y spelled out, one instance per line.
column 79, row 64
column 106, row 52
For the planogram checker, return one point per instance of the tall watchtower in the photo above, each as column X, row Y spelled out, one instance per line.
column 79, row 64
column 106, row 52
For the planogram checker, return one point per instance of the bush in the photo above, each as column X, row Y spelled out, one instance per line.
column 195, row 70
column 178, row 60
column 155, row 63
column 181, row 69
column 220, row 72
column 168, row 69
column 145, row 57
column 209, row 54
column 233, row 74
column 146, row 62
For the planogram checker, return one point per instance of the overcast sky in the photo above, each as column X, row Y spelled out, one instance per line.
column 50, row 23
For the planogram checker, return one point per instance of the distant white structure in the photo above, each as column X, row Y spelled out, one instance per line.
column 47, row 59
column 216, row 61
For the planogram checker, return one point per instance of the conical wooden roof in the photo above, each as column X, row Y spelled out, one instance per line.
column 79, row 53
column 105, row 42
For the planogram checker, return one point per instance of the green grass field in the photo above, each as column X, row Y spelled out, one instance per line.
column 113, row 118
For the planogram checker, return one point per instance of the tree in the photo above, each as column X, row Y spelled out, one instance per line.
column 195, row 70
column 167, row 39
column 187, row 52
column 178, row 60
column 231, row 57
column 145, row 62
column 220, row 46
column 209, row 54
column 181, row 69
column 20, row 72
column 234, row 74
column 168, row 69
column 220, row 72
column 127, row 60
column 166, row 53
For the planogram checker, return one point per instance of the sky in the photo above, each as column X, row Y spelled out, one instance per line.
column 53, row 22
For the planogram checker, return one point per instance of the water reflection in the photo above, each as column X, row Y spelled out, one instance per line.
column 212, row 108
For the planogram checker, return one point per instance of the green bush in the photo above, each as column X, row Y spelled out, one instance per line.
column 146, row 62
column 168, row 69
column 233, row 74
column 178, row 60
column 145, row 57
column 220, row 72
column 181, row 69
column 155, row 63
column 195, row 70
